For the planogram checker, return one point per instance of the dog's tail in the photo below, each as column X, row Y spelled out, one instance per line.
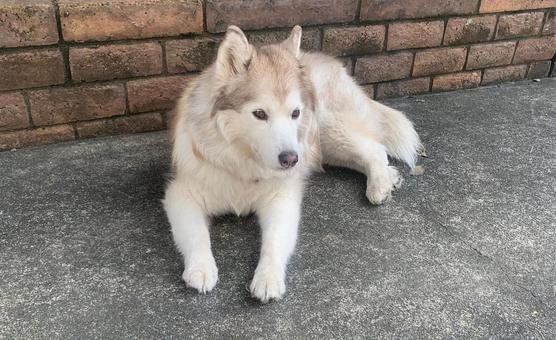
column 400, row 138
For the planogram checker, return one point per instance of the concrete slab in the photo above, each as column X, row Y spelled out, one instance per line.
column 467, row 250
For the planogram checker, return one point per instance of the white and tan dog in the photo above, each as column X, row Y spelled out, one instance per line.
column 248, row 131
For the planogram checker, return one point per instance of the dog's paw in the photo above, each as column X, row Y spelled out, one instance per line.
column 395, row 177
column 380, row 186
column 267, row 285
column 201, row 275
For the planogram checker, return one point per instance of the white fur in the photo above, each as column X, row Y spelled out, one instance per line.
column 214, row 175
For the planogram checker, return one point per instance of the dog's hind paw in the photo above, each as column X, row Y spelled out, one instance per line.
column 201, row 276
column 380, row 187
column 267, row 285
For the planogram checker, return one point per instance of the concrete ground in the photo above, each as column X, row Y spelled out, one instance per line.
column 468, row 250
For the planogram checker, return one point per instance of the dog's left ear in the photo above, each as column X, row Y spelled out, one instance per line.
column 293, row 43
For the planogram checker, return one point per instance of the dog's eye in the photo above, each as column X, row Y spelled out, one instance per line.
column 260, row 114
column 295, row 114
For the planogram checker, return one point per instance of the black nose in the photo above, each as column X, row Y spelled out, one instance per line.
column 288, row 159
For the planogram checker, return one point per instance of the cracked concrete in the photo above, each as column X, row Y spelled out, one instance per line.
column 465, row 251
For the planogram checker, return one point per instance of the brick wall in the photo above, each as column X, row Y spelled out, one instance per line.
column 83, row 68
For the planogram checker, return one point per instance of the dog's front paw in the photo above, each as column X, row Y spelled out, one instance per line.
column 201, row 274
column 268, row 284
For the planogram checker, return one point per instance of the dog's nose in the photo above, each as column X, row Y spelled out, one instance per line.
column 288, row 159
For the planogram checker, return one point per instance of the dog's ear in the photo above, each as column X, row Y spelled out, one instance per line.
column 234, row 53
column 293, row 43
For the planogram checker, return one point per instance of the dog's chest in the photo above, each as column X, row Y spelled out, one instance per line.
column 226, row 194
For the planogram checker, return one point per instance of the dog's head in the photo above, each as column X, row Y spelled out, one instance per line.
column 265, row 104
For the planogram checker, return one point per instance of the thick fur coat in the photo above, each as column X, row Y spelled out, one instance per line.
column 247, row 133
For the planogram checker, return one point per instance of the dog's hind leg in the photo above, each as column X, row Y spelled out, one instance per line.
column 356, row 148
column 191, row 234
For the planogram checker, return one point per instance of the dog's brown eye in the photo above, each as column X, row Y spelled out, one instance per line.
column 260, row 114
column 295, row 114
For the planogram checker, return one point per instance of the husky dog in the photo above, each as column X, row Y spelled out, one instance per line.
column 246, row 134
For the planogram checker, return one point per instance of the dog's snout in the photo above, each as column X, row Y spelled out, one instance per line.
column 288, row 159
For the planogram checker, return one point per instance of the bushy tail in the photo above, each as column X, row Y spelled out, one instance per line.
column 400, row 138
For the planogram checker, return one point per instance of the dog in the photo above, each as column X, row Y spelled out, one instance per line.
column 249, row 130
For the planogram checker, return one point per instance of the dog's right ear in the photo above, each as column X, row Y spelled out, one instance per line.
column 234, row 54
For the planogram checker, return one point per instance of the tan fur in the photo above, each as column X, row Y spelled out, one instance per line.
column 228, row 159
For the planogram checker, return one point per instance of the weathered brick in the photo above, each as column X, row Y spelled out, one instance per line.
column 257, row 14
column 27, row 22
column 354, row 40
column 120, row 125
column 84, row 20
column 403, row 9
column 61, row 105
column 539, row 69
column 456, row 81
column 469, row 30
column 492, row 6
column 415, row 34
column 439, row 60
column 535, row 49
column 494, row 54
column 13, row 114
column 156, row 93
column 383, row 67
column 31, row 69
column 190, row 55
column 39, row 136
column 115, row 61
column 403, row 88
column 519, row 25
column 369, row 90
column 503, row 74
column 550, row 23
column 310, row 39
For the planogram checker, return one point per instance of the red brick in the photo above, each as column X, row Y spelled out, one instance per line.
column 31, row 69
column 492, row 6
column 415, row 34
column 61, row 105
column 550, row 23
column 353, row 40
column 84, row 20
column 369, row 90
column 190, row 54
column 456, row 81
column 535, row 49
column 257, row 14
column 519, row 25
column 121, row 125
column 383, row 67
column 504, row 74
column 156, row 93
column 494, row 54
column 27, row 22
column 403, row 88
column 310, row 40
column 469, row 30
column 539, row 69
column 13, row 114
column 43, row 135
column 115, row 61
column 439, row 60
column 404, row 9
